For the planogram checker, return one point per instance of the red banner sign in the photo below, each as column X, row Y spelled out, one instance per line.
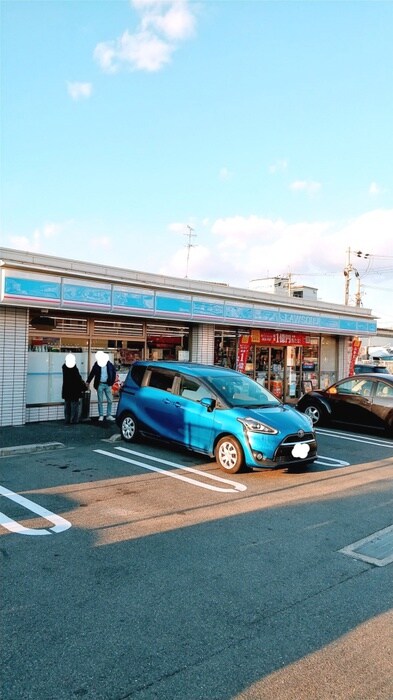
column 356, row 344
column 242, row 352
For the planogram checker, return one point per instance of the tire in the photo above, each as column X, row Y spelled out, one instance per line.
column 316, row 413
column 229, row 455
column 128, row 427
column 389, row 428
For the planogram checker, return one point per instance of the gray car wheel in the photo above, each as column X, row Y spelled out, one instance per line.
column 128, row 427
column 316, row 413
column 229, row 455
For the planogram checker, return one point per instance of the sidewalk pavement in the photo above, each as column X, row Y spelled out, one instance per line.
column 47, row 435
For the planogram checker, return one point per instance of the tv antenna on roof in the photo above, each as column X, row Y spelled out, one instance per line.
column 190, row 235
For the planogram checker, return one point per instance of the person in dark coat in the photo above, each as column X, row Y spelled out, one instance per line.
column 73, row 387
column 104, row 374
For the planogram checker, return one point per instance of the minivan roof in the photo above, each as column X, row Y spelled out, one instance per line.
column 193, row 368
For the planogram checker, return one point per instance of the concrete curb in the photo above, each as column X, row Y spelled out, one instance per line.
column 22, row 449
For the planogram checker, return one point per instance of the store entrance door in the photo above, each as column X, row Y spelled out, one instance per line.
column 278, row 368
column 270, row 368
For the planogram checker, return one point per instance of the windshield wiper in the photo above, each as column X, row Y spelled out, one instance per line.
column 259, row 405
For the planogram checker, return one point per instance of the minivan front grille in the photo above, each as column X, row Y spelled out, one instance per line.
column 293, row 439
column 284, row 454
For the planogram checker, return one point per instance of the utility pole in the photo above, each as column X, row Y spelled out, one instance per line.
column 189, row 245
column 347, row 275
column 358, row 298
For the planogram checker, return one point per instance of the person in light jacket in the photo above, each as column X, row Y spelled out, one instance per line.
column 72, row 389
column 104, row 374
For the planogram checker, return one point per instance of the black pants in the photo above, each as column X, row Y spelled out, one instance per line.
column 71, row 411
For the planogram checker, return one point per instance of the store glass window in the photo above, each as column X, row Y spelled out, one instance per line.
column 53, row 335
column 167, row 342
column 310, row 363
column 328, row 361
column 225, row 347
column 51, row 338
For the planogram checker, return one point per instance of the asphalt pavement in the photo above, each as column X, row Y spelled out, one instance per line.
column 33, row 437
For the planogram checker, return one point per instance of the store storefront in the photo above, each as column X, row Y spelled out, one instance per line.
column 53, row 335
column 52, row 306
column 288, row 364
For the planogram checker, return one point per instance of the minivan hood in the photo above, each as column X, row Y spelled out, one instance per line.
column 277, row 417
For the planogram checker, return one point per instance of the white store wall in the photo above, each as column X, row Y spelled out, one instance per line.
column 14, row 324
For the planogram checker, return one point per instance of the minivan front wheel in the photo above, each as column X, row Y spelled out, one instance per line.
column 229, row 455
column 128, row 427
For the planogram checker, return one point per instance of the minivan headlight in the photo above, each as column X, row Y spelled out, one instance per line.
column 255, row 426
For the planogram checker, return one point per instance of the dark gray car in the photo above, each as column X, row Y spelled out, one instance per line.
column 364, row 401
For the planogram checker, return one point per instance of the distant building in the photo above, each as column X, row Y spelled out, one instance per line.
column 284, row 287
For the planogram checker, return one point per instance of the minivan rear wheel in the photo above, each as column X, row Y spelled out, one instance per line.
column 128, row 427
column 229, row 454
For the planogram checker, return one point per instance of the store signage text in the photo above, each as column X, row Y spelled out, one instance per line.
column 17, row 287
column 277, row 338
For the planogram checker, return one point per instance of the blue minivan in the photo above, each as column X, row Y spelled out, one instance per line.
column 216, row 411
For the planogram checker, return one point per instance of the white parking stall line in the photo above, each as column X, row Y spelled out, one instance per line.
column 60, row 524
column 378, row 442
column 331, row 462
column 238, row 487
column 233, row 485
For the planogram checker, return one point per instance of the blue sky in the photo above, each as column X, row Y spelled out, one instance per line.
column 265, row 126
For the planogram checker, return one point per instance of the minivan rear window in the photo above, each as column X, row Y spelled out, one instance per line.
column 136, row 373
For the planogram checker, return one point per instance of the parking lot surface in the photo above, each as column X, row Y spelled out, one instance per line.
column 151, row 574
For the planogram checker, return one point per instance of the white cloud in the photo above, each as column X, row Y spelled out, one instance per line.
column 101, row 243
column 305, row 186
column 200, row 264
column 236, row 232
column 140, row 51
column 177, row 23
column 177, row 227
column 375, row 189
column 279, row 166
column 163, row 24
column 245, row 248
column 51, row 230
column 23, row 243
column 39, row 238
column 79, row 91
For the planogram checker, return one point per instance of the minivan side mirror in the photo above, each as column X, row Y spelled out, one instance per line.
column 209, row 403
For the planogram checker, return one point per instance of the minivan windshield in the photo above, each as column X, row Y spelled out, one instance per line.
column 240, row 390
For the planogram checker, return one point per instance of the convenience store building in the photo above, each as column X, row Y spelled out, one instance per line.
column 50, row 306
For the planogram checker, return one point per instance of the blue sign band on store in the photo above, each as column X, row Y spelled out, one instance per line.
column 65, row 294
column 23, row 288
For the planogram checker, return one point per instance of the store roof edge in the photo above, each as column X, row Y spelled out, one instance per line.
column 49, row 264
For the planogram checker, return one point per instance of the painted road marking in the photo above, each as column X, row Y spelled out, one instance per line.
column 233, row 485
column 375, row 549
column 379, row 442
column 60, row 524
column 331, row 462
